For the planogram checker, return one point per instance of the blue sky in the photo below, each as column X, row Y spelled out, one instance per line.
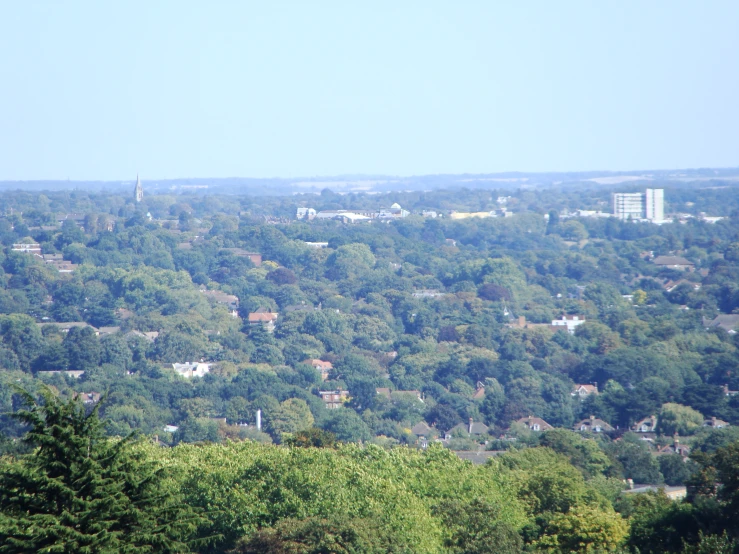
column 171, row 88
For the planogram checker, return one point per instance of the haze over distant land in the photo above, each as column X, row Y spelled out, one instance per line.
column 704, row 177
column 98, row 90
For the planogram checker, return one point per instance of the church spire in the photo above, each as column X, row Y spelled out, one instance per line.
column 138, row 192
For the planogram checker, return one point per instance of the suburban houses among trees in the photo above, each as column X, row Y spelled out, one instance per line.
column 597, row 354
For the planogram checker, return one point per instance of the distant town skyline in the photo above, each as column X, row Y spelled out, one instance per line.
column 96, row 91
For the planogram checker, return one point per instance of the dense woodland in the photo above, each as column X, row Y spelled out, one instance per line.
column 355, row 478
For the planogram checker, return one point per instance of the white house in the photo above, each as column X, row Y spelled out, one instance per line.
column 191, row 369
column 569, row 321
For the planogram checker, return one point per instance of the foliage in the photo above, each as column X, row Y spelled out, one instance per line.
column 81, row 492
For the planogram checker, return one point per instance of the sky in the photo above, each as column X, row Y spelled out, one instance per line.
column 94, row 90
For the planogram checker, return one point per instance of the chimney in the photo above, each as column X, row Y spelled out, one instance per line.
column 470, row 427
column 676, row 441
column 653, row 420
column 522, row 321
column 592, row 418
column 713, row 421
column 259, row 420
column 595, row 384
column 630, row 482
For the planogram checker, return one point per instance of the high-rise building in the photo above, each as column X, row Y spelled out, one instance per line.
column 628, row 205
column 649, row 205
column 654, row 204
column 138, row 192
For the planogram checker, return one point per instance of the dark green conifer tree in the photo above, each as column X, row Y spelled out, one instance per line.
column 82, row 492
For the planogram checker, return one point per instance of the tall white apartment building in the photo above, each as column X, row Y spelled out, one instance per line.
column 649, row 205
column 654, row 204
column 628, row 205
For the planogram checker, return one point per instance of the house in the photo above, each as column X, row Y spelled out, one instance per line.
column 427, row 293
column 150, row 336
column 534, row 423
column 393, row 212
column 320, row 365
column 352, row 218
column 334, row 398
column 646, row 425
column 189, row 370
column 467, row 215
column 674, row 262
column 715, row 423
column 49, row 258
column 398, row 394
column 264, row 318
column 64, row 267
column 583, row 391
column 78, row 219
column 675, row 448
column 317, row 245
column 728, row 392
column 108, row 330
column 727, row 322
column 170, row 428
column 422, row 429
column 348, row 216
column 570, row 322
column 76, row 374
column 430, row 213
column 231, row 301
column 65, row 326
column 479, row 391
column 673, row 493
column 478, row 457
column 409, row 394
column 255, row 257
column 521, row 323
column 302, row 307
column 593, row 425
column 89, row 397
column 305, row 213
column 27, row 247
column 472, row 428
column 671, row 285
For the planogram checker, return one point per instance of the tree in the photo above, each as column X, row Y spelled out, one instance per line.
column 477, row 527
column 336, row 535
column 291, row 416
column 584, row 454
column 347, row 426
column 350, row 260
column 83, row 348
column 573, row 230
column 637, row 462
column 676, row 418
column 197, row 429
column 82, row 492
column 675, row 469
column 312, row 437
column 584, row 529
column 553, row 223
column 443, row 417
column 282, row 276
column 639, row 297
column 493, row 292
